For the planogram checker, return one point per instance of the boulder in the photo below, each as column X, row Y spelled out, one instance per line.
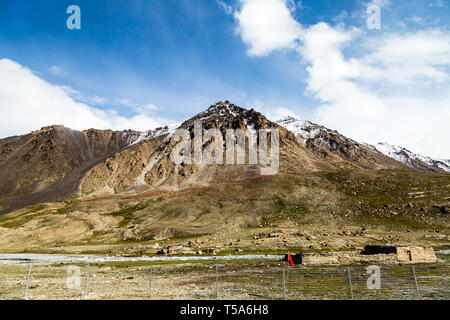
column 415, row 254
column 127, row 235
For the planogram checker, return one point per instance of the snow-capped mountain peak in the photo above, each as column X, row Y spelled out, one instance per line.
column 305, row 128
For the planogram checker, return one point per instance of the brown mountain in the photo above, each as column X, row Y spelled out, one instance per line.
column 47, row 164
column 63, row 190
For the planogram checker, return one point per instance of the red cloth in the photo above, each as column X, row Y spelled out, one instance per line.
column 290, row 259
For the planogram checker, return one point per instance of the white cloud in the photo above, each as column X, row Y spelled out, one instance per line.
column 394, row 87
column 28, row 103
column 410, row 59
column 398, row 92
column 266, row 25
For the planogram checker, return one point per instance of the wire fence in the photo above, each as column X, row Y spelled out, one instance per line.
column 230, row 282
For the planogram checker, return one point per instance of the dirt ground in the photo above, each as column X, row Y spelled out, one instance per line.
column 237, row 280
column 312, row 212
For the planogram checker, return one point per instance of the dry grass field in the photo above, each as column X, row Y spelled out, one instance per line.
column 240, row 280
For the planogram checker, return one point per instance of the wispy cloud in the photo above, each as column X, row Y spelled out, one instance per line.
column 56, row 71
column 81, row 97
column 225, row 7
column 294, row 5
column 380, row 3
column 437, row 3
column 139, row 107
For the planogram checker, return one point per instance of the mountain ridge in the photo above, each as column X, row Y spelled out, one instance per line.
column 310, row 131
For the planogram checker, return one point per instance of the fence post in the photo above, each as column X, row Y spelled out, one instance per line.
column 28, row 280
column 350, row 281
column 284, row 284
column 217, row 283
column 86, row 282
column 150, row 282
column 415, row 281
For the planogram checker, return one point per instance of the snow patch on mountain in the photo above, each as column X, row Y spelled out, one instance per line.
column 305, row 128
column 222, row 109
column 405, row 156
column 130, row 136
column 158, row 132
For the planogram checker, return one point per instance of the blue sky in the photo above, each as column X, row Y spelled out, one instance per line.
column 178, row 54
column 170, row 59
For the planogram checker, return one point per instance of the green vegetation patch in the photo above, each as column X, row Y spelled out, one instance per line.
column 14, row 221
column 127, row 213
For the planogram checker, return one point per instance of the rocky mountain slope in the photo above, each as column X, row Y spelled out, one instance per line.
column 46, row 165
